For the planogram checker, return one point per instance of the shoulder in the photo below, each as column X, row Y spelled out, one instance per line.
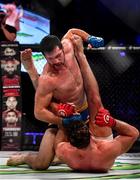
column 45, row 79
column 63, row 147
column 46, row 84
column 64, row 151
column 111, row 148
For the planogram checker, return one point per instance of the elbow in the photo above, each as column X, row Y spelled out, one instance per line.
column 37, row 114
column 136, row 134
column 71, row 30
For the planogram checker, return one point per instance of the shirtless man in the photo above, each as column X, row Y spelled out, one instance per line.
column 81, row 154
column 62, row 80
column 93, row 154
column 98, row 155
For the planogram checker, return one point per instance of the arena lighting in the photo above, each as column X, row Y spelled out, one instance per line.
column 34, row 134
column 64, row 2
column 122, row 54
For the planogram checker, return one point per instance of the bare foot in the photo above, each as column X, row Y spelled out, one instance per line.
column 16, row 160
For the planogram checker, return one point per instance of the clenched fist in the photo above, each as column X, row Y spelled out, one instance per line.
column 103, row 118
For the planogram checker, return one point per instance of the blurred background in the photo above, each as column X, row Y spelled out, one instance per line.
column 113, row 20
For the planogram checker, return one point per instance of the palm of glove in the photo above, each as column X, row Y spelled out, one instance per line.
column 103, row 118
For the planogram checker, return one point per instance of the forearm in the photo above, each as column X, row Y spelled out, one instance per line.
column 84, row 35
column 125, row 129
column 93, row 41
column 90, row 85
column 47, row 116
column 34, row 76
column 87, row 74
column 27, row 61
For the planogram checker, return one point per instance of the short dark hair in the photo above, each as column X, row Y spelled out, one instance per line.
column 78, row 134
column 48, row 43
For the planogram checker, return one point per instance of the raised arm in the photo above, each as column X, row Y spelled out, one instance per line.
column 93, row 41
column 74, row 31
column 27, row 61
column 127, row 134
column 90, row 83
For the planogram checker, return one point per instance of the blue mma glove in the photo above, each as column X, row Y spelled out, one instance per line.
column 95, row 42
column 67, row 120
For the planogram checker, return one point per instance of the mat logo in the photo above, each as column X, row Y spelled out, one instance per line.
column 9, row 52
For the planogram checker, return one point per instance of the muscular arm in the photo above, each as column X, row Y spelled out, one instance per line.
column 126, row 138
column 43, row 98
column 92, row 41
column 127, row 134
column 84, row 35
column 90, row 83
column 27, row 61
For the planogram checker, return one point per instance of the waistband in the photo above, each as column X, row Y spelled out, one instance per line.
column 107, row 138
column 83, row 110
column 83, row 107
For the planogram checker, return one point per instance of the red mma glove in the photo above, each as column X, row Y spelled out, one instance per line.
column 103, row 118
column 65, row 110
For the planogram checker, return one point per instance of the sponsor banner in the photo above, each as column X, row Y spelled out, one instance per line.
column 11, row 110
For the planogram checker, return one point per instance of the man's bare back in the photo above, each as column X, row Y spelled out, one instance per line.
column 100, row 154
column 96, row 157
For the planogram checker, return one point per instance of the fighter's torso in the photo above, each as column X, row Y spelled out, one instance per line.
column 68, row 83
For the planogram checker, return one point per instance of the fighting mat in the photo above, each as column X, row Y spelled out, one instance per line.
column 126, row 166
